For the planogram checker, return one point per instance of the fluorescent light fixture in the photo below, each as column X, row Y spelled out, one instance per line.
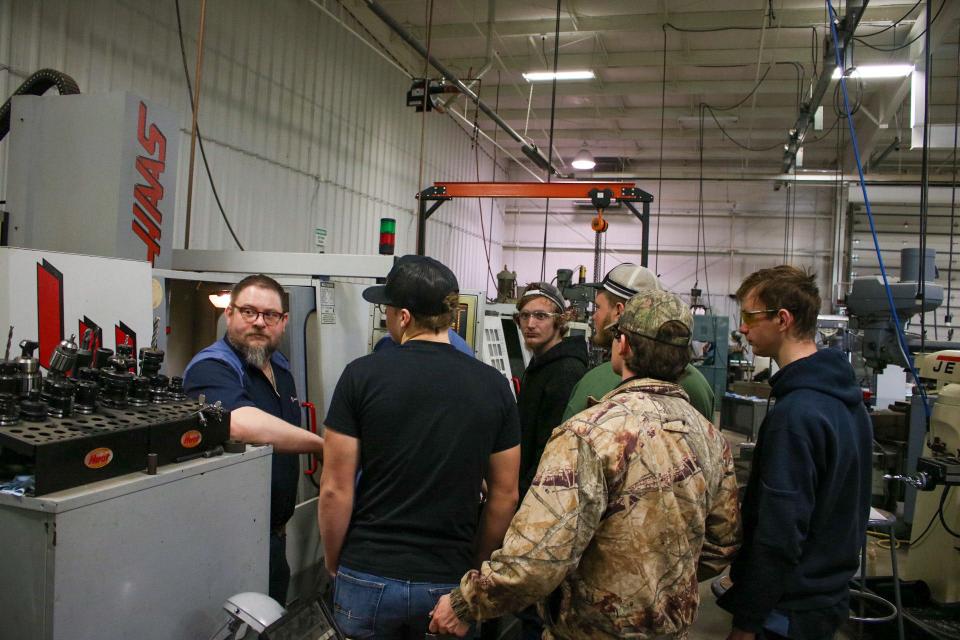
column 220, row 300
column 868, row 71
column 542, row 76
column 584, row 160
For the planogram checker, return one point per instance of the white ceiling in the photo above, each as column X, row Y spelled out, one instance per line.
column 618, row 115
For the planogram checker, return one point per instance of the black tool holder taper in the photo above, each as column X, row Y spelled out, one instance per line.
column 11, row 381
column 85, row 400
column 139, row 392
column 32, row 408
column 9, row 410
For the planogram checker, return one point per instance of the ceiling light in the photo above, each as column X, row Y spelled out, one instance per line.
column 541, row 76
column 220, row 300
column 584, row 160
column 868, row 71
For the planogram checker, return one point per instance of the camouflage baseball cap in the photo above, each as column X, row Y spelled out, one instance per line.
column 646, row 313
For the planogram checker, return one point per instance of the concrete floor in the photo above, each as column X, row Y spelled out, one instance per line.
column 712, row 621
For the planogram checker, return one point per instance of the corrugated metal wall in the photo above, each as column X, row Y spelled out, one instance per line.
column 305, row 125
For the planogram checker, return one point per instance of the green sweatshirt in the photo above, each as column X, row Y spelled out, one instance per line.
column 601, row 380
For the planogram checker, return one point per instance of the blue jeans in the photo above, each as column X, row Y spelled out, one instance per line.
column 369, row 606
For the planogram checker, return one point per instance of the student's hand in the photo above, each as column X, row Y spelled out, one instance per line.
column 444, row 620
column 331, row 570
column 737, row 634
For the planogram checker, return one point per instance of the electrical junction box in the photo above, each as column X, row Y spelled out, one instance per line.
column 93, row 174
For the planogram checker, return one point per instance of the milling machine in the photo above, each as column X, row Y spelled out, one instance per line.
column 934, row 555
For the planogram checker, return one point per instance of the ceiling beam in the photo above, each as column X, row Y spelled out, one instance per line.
column 647, row 58
column 649, row 22
column 652, row 88
column 781, row 115
column 652, row 134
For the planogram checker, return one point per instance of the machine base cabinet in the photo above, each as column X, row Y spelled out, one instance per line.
column 151, row 557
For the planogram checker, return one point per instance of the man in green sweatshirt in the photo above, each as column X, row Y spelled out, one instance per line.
column 621, row 283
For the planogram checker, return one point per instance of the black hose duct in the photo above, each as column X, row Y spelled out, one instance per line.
column 37, row 85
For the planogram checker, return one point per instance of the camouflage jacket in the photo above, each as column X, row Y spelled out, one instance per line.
column 634, row 501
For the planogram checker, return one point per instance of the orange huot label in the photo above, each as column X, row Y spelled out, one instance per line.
column 191, row 438
column 98, row 458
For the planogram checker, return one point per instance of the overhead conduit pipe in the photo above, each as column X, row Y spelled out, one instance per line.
column 488, row 58
column 529, row 149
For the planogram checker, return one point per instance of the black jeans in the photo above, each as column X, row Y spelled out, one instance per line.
column 279, row 569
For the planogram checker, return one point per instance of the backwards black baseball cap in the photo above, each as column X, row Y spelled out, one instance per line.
column 419, row 284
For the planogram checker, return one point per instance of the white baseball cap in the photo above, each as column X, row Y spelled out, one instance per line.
column 626, row 280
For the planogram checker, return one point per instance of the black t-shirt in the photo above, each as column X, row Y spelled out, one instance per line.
column 428, row 418
column 218, row 381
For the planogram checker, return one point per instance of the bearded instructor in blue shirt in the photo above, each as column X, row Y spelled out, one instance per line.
column 245, row 372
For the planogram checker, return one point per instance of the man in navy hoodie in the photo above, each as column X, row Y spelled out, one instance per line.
column 808, row 496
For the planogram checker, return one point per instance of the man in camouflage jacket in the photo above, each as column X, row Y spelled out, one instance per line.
column 634, row 502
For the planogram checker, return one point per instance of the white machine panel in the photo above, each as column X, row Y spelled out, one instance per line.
column 495, row 346
column 344, row 320
column 47, row 296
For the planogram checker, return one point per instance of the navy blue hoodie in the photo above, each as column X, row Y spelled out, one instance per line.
column 807, row 500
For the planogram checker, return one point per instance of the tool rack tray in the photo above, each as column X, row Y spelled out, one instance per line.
column 67, row 452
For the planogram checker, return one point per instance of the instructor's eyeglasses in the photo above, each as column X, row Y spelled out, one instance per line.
column 249, row 314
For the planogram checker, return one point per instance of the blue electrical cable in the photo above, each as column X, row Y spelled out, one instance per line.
column 901, row 338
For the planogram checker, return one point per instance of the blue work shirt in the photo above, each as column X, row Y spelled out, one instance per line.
column 216, row 372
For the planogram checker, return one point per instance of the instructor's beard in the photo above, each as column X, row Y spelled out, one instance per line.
column 256, row 355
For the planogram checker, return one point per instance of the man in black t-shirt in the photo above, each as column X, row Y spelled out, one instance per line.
column 424, row 425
